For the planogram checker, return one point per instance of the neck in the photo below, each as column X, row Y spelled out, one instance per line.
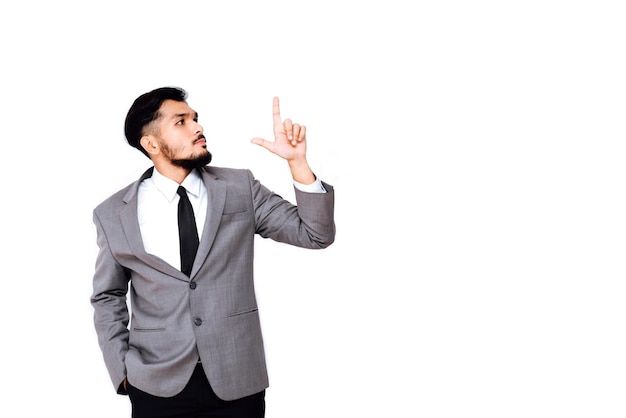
column 172, row 172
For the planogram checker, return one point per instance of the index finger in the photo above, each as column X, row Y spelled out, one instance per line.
column 276, row 112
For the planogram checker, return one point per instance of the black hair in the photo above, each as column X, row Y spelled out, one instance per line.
column 145, row 109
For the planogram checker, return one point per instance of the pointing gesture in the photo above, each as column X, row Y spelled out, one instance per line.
column 290, row 144
column 289, row 138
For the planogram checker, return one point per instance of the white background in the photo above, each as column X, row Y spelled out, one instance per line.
column 477, row 150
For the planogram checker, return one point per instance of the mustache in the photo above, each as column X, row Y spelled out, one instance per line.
column 201, row 136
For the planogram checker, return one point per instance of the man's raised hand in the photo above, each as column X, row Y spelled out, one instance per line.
column 289, row 138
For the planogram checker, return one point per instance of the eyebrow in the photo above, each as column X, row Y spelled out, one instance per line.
column 182, row 115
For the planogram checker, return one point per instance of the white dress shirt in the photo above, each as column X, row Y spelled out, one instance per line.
column 157, row 211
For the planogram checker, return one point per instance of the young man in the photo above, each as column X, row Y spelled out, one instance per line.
column 194, row 346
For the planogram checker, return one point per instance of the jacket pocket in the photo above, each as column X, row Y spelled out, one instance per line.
column 243, row 312
column 149, row 329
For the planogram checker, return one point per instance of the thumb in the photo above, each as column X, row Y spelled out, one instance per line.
column 262, row 142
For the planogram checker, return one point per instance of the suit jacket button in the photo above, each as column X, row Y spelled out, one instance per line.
column 197, row 321
column 192, row 285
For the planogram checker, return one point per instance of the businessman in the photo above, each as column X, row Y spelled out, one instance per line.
column 179, row 242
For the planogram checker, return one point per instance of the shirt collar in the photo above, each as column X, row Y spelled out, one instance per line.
column 169, row 187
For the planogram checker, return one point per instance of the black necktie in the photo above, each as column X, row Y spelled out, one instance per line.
column 188, row 233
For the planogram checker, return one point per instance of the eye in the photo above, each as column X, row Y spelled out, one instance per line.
column 180, row 122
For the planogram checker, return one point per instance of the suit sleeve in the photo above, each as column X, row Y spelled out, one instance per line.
column 110, row 287
column 308, row 224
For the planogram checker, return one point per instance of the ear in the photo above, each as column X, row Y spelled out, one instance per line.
column 150, row 144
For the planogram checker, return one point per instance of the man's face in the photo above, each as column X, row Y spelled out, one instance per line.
column 180, row 136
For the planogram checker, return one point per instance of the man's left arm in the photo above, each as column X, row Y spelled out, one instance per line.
column 314, row 213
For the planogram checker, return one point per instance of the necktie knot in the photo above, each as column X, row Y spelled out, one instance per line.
column 188, row 233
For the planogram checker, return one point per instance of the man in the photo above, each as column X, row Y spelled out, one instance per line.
column 194, row 346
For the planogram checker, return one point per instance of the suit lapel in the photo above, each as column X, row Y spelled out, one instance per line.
column 130, row 225
column 216, row 192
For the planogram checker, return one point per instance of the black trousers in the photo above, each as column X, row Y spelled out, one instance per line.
column 197, row 400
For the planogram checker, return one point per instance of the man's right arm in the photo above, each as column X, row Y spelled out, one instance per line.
column 111, row 317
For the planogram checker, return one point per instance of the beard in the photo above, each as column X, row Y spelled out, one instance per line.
column 190, row 163
column 195, row 161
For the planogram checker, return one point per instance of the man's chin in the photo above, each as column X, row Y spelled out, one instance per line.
column 192, row 163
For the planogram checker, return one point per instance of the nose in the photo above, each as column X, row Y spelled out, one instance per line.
column 198, row 129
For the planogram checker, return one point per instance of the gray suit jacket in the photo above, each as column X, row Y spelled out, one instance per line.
column 211, row 315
